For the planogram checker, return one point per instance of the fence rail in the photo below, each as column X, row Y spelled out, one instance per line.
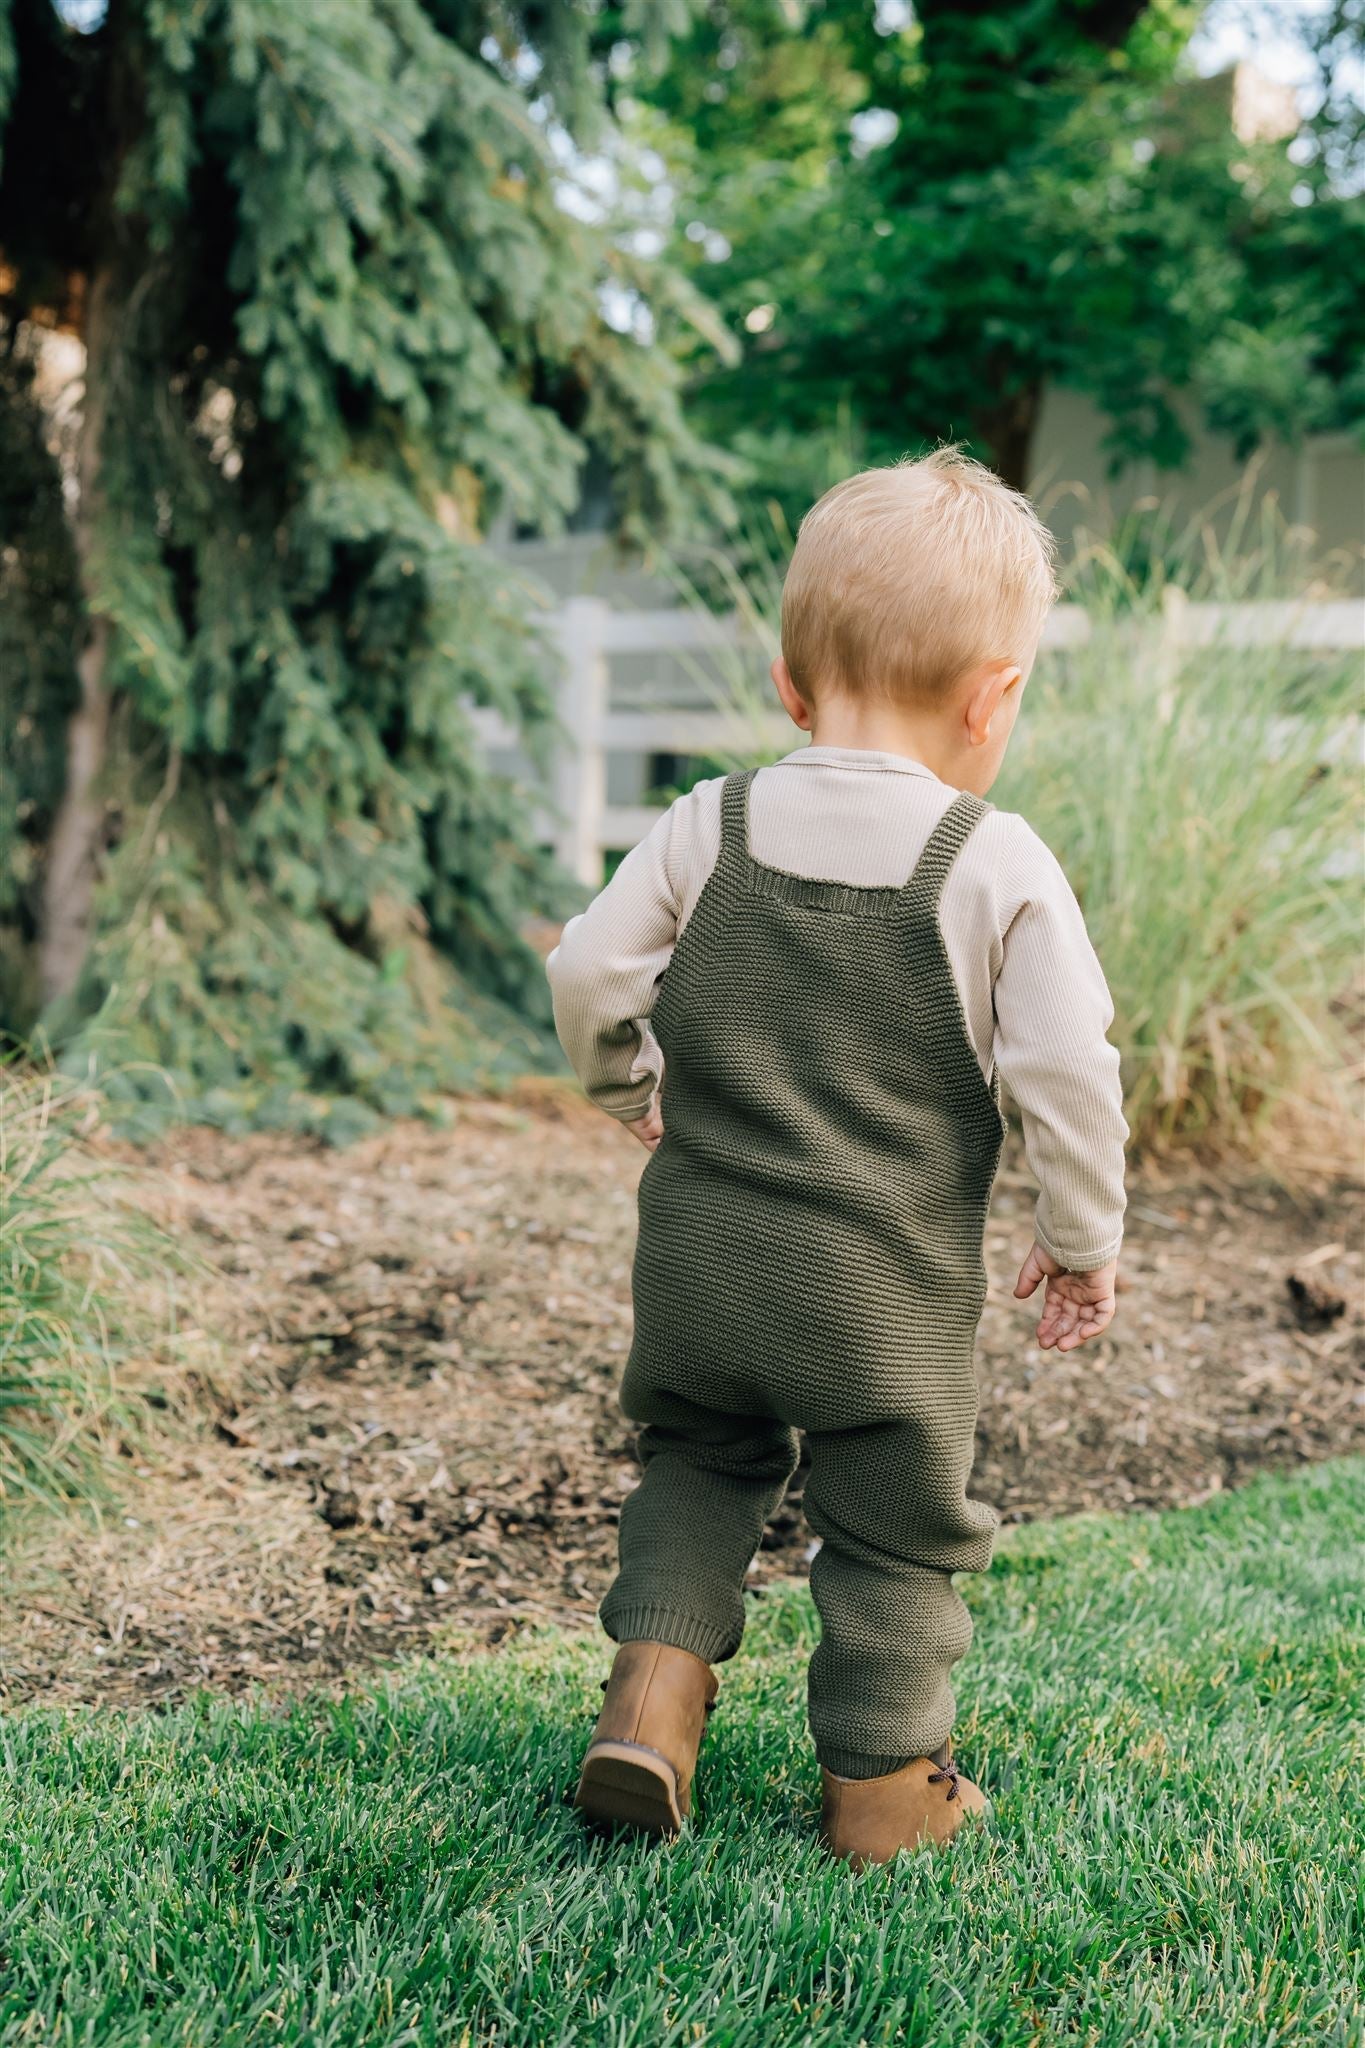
column 583, row 826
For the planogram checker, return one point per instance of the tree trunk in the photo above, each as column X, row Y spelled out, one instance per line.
column 74, row 847
column 1007, row 429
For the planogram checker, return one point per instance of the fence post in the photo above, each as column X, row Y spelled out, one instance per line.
column 580, row 762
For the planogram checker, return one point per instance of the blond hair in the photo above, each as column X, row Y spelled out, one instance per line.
column 905, row 578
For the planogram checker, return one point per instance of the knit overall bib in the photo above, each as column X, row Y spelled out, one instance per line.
column 810, row 1258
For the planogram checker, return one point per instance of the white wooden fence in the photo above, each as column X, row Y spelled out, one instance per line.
column 583, row 826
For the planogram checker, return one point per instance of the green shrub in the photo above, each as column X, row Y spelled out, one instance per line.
column 87, row 1289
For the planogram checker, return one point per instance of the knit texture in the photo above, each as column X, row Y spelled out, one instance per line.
column 1032, row 993
column 810, row 1257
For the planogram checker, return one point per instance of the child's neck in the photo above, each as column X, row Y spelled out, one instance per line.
column 882, row 729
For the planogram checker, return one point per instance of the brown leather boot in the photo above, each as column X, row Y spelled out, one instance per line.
column 867, row 1820
column 638, row 1769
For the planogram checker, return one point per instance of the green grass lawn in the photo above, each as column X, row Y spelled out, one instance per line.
column 1166, row 1710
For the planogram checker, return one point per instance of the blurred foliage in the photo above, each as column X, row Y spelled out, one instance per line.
column 336, row 324
column 343, row 291
column 926, row 215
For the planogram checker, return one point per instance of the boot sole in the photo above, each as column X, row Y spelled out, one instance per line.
column 626, row 1785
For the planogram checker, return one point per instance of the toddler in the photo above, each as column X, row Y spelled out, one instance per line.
column 801, row 993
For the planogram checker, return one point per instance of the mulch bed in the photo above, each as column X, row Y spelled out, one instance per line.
column 411, row 1439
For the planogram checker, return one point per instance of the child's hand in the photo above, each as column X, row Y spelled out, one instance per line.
column 1076, row 1306
column 649, row 1128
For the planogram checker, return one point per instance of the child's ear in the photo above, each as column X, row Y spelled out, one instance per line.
column 793, row 703
column 987, row 691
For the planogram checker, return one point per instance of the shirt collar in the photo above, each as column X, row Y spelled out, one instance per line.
column 856, row 757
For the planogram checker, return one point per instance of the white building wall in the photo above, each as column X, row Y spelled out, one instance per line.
column 1319, row 486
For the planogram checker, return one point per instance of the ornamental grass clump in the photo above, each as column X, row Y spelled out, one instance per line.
column 1205, row 802
column 88, row 1289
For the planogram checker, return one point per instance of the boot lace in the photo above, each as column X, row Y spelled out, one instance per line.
column 946, row 1774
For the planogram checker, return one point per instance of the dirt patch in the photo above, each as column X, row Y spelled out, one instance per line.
column 416, row 1439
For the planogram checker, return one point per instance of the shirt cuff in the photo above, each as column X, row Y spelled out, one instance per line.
column 1087, row 1261
column 629, row 1112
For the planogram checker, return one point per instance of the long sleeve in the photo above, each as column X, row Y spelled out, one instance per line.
column 1052, row 1013
column 604, row 973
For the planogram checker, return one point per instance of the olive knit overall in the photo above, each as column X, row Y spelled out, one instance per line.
column 810, row 1257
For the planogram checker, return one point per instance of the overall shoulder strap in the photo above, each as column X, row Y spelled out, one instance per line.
column 734, row 820
column 925, row 886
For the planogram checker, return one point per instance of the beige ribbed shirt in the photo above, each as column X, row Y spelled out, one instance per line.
column 1033, row 996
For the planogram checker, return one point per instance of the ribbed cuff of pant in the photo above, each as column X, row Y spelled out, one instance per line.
column 667, row 1625
column 850, row 1763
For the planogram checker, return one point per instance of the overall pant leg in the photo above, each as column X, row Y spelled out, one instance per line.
column 889, row 1503
column 692, row 1525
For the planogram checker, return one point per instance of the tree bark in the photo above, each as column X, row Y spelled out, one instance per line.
column 74, row 846
column 1007, row 429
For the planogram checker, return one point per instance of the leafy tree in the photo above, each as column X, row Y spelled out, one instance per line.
column 926, row 217
column 334, row 323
